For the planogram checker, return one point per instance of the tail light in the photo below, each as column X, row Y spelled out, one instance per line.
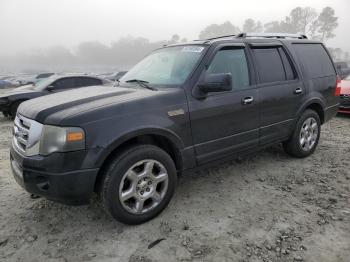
column 337, row 87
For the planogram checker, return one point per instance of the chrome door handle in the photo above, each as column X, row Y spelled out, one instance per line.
column 247, row 100
column 298, row 91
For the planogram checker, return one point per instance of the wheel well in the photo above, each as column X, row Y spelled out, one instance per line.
column 318, row 109
column 16, row 103
column 157, row 140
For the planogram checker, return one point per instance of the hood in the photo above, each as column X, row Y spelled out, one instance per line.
column 52, row 109
column 345, row 87
column 20, row 90
column 23, row 92
column 25, row 88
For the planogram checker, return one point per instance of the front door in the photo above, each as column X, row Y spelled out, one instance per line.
column 226, row 122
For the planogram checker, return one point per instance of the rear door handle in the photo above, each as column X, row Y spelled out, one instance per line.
column 247, row 100
column 298, row 91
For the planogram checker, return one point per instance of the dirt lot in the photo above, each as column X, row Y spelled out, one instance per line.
column 266, row 207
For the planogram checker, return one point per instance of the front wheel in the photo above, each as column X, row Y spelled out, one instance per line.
column 138, row 184
column 306, row 135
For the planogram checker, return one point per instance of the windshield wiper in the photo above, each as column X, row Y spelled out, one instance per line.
column 142, row 83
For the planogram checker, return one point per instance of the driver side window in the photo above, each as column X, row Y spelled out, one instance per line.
column 231, row 60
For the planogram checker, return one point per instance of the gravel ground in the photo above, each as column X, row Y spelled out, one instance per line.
column 265, row 207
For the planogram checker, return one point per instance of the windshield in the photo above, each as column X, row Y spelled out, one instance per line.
column 347, row 78
column 166, row 66
column 42, row 84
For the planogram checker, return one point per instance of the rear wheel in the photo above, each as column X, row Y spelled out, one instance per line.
column 305, row 137
column 138, row 184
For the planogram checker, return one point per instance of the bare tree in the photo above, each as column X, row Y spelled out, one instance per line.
column 308, row 16
column 215, row 30
column 251, row 26
column 305, row 20
column 327, row 23
column 174, row 39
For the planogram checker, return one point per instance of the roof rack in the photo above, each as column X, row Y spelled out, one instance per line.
column 217, row 37
column 271, row 35
column 258, row 35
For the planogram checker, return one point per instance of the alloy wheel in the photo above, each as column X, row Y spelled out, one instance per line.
column 143, row 186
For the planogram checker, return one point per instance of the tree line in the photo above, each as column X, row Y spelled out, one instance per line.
column 303, row 20
column 125, row 52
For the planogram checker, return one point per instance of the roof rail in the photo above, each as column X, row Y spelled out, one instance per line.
column 271, row 35
column 217, row 37
column 223, row 36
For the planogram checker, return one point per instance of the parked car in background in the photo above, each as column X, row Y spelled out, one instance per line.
column 43, row 75
column 5, row 84
column 113, row 76
column 10, row 101
column 32, row 79
column 12, row 79
column 181, row 108
column 345, row 96
column 343, row 69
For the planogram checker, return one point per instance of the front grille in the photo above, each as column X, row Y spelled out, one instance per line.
column 21, row 130
column 26, row 135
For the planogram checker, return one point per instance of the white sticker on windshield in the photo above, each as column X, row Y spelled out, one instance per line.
column 195, row 49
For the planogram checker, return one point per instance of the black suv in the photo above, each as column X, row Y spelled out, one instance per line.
column 10, row 101
column 182, row 107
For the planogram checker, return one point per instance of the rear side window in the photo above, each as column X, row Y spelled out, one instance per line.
column 231, row 60
column 290, row 75
column 315, row 60
column 273, row 65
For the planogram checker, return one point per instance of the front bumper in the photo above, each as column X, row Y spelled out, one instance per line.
column 54, row 179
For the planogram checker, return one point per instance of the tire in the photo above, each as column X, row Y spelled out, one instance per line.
column 303, row 143
column 127, row 174
column 13, row 109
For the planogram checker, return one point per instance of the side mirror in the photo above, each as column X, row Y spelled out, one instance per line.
column 50, row 88
column 216, row 83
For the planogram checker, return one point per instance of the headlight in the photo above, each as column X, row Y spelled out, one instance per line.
column 3, row 101
column 61, row 139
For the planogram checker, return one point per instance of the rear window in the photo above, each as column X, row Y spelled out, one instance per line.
column 314, row 60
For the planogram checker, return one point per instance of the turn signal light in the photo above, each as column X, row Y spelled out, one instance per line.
column 76, row 136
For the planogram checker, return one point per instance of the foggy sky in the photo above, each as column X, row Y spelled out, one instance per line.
column 29, row 25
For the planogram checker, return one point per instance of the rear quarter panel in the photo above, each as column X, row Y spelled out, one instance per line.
column 320, row 87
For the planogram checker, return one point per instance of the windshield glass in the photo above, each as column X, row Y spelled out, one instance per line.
column 42, row 84
column 347, row 78
column 166, row 66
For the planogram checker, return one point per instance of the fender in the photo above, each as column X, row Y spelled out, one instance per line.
column 307, row 103
column 150, row 130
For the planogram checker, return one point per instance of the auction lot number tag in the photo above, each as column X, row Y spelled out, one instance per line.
column 194, row 49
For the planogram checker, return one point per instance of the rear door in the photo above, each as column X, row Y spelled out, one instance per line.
column 280, row 89
column 226, row 122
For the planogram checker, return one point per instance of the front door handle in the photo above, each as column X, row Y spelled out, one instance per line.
column 298, row 91
column 247, row 100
